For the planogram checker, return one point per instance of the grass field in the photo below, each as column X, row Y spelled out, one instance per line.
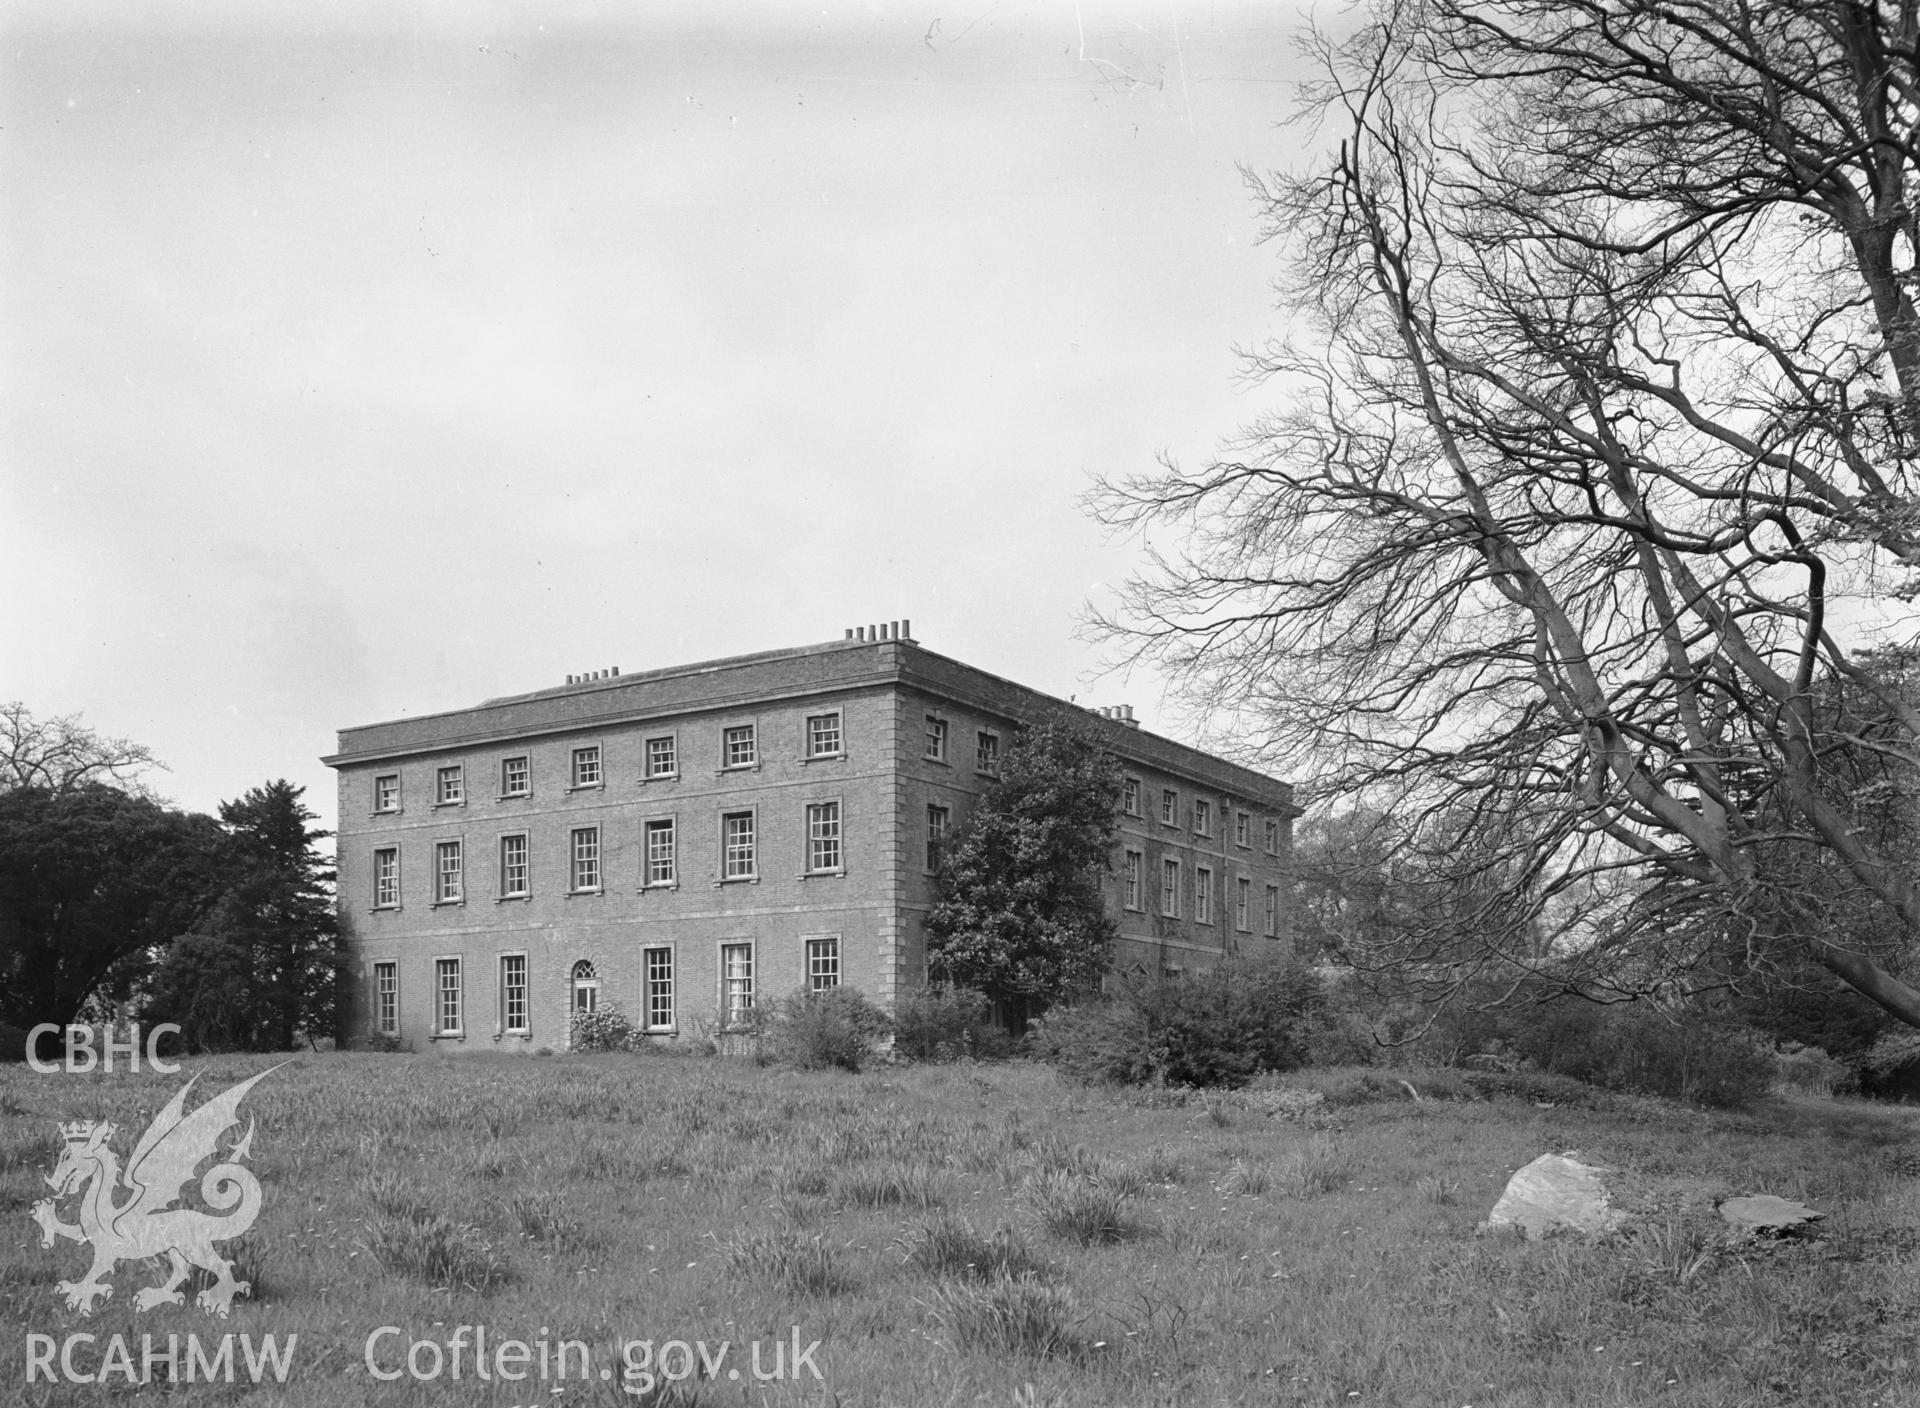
column 989, row 1234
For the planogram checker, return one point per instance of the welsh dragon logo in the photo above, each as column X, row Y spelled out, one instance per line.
column 145, row 1224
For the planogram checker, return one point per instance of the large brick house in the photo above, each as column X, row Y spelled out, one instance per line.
column 685, row 839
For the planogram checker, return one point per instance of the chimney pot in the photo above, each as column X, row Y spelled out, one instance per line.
column 849, row 632
column 906, row 629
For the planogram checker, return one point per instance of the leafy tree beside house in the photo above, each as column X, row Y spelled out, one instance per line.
column 93, row 882
column 262, row 969
column 1019, row 913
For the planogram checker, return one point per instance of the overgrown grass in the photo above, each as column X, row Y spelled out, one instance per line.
column 961, row 1235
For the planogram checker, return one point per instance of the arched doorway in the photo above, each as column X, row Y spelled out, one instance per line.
column 586, row 987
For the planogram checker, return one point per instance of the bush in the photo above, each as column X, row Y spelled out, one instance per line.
column 1681, row 1053
column 815, row 1030
column 942, row 1023
column 1811, row 1071
column 1218, row 1028
column 605, row 1028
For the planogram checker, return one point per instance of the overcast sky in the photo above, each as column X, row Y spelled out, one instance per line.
column 362, row 362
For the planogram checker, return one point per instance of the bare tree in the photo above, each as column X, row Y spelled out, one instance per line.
column 1594, row 456
column 61, row 754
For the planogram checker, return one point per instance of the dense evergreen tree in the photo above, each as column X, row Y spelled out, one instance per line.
column 1019, row 914
column 93, row 882
column 262, row 968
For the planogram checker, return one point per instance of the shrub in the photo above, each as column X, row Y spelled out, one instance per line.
column 605, row 1028
column 1217, row 1028
column 941, row 1023
column 816, row 1030
column 1687, row 1055
column 1810, row 1070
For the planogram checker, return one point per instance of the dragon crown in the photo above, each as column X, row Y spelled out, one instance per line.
column 86, row 1131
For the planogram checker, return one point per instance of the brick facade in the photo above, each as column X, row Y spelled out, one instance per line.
column 485, row 853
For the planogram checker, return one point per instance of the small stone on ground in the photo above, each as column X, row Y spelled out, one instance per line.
column 1763, row 1212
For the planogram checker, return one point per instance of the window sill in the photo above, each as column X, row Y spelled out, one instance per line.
column 513, row 796
column 660, row 885
column 520, row 1033
column 660, row 777
column 443, row 806
column 390, row 811
column 937, row 762
column 736, row 767
column 384, row 909
column 513, row 899
column 839, row 757
column 737, row 880
column 447, row 904
column 839, row 874
column 585, row 894
column 448, row 1036
column 588, row 787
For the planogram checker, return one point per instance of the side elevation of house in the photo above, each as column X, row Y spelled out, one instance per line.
column 684, row 841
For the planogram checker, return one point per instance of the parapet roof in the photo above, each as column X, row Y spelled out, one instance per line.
column 599, row 701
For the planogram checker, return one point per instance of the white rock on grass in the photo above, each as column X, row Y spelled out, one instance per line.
column 1762, row 1212
column 1556, row 1192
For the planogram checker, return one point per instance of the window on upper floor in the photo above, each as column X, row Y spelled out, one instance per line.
column 584, row 848
column 1242, row 904
column 386, row 792
column 823, row 837
column 1131, row 881
column 986, row 752
column 1202, row 895
column 1240, row 836
column 1169, row 807
column 386, row 878
column 1273, row 838
column 663, row 759
column 938, row 820
column 739, row 858
column 823, row 735
column 514, row 879
column 1130, row 796
column 449, row 884
column 1170, row 888
column 936, row 740
column 450, row 785
column 516, row 776
column 586, row 766
column 661, row 863
column 1202, row 818
column 738, row 747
